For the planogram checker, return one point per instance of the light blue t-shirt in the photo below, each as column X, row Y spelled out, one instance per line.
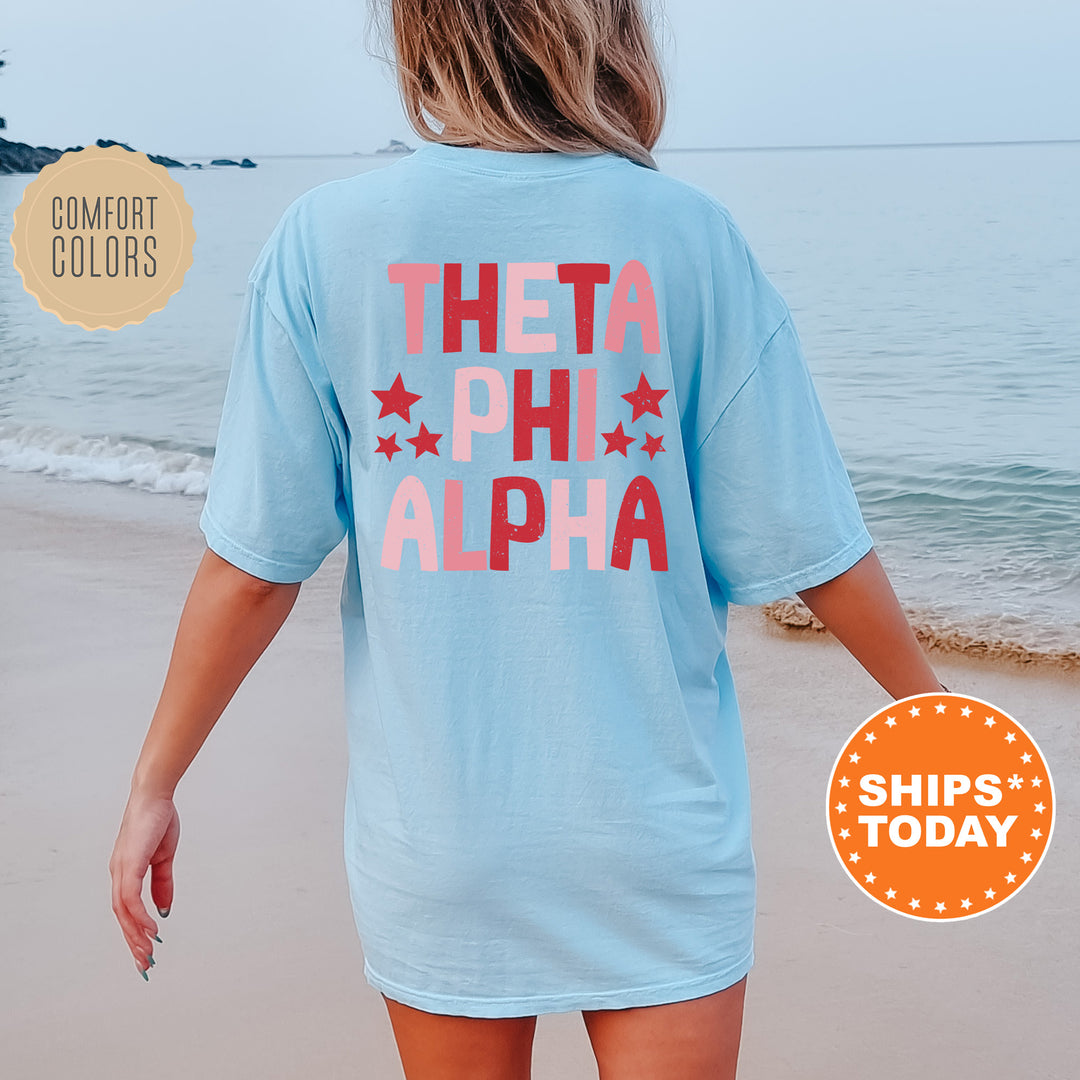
column 562, row 418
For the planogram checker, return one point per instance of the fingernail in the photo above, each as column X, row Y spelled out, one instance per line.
column 152, row 961
column 158, row 940
column 142, row 973
column 164, row 912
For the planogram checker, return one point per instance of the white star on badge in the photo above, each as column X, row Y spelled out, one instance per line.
column 841, row 807
column 990, row 894
column 844, row 781
column 853, row 758
column 965, row 711
column 913, row 903
column 939, row 708
column 1011, row 737
column 1010, row 878
column 939, row 906
column 844, row 834
column 914, row 710
column 870, row 879
column 1039, row 807
column 1026, row 857
column 1036, row 833
column 890, row 894
column 1025, row 758
column 1036, row 781
column 854, row 857
column 989, row 721
column 890, row 721
column 965, row 903
column 870, row 736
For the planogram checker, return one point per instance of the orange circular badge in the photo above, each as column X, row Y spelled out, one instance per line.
column 103, row 237
column 940, row 807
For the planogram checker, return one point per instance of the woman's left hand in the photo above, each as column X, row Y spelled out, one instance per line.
column 148, row 836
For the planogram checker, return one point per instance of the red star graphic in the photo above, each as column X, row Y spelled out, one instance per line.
column 654, row 444
column 396, row 400
column 644, row 399
column 617, row 440
column 389, row 447
column 425, row 441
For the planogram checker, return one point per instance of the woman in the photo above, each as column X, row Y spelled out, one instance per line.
column 563, row 419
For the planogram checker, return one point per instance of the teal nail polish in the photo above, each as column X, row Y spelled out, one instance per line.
column 145, row 976
column 152, row 961
column 157, row 939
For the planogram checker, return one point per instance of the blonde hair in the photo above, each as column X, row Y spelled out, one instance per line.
column 576, row 76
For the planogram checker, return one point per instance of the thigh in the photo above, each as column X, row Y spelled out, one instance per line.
column 685, row 1040
column 438, row 1047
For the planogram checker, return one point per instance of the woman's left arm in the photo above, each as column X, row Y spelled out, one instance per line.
column 861, row 610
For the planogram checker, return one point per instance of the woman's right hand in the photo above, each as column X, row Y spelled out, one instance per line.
column 147, row 839
column 228, row 620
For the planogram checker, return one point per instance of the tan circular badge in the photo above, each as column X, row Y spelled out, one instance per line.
column 940, row 807
column 103, row 237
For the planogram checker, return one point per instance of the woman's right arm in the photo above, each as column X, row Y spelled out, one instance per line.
column 227, row 622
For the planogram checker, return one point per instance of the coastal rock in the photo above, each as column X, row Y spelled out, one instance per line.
column 157, row 159
column 16, row 157
column 394, row 146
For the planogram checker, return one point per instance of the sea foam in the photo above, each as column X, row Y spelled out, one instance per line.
column 105, row 458
column 997, row 637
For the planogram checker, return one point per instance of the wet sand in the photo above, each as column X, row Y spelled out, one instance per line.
column 259, row 973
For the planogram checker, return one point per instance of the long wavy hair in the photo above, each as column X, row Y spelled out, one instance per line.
column 576, row 76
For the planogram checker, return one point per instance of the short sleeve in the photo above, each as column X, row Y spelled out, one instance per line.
column 775, row 508
column 275, row 506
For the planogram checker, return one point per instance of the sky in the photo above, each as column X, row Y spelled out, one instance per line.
column 208, row 78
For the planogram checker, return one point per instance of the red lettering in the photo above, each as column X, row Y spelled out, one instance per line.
column 484, row 309
column 555, row 416
column 503, row 530
column 584, row 277
column 649, row 527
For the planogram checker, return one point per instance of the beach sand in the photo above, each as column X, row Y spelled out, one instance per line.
column 259, row 973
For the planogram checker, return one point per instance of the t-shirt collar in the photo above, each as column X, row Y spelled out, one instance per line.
column 510, row 162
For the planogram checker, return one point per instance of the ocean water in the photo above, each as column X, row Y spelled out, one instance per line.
column 935, row 291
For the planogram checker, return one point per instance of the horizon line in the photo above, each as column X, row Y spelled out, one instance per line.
column 870, row 146
column 738, row 149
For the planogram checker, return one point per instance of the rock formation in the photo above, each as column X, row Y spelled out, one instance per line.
column 16, row 157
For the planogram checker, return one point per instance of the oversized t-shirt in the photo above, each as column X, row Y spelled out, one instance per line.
column 562, row 419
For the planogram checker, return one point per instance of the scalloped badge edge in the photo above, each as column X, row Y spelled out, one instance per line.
column 115, row 319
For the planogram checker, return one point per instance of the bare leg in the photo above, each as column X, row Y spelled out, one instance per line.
column 686, row 1040
column 437, row 1047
